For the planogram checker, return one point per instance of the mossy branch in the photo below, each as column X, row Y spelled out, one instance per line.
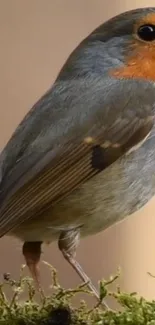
column 57, row 308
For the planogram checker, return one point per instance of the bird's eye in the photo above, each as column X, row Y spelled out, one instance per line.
column 147, row 33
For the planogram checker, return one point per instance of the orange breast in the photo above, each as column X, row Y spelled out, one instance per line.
column 140, row 65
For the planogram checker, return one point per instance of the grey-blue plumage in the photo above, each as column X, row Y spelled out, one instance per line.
column 83, row 157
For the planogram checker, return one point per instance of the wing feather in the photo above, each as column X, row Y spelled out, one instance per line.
column 63, row 167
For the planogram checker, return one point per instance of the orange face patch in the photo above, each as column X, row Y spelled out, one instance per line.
column 142, row 63
column 140, row 66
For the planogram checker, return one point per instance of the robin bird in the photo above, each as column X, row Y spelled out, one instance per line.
column 83, row 158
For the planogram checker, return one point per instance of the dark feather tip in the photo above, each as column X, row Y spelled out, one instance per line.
column 98, row 158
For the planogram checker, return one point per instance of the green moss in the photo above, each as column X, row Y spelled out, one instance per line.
column 57, row 309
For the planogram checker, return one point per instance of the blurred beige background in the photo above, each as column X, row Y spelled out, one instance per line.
column 36, row 36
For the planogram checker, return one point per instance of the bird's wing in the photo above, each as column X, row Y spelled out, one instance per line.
column 88, row 138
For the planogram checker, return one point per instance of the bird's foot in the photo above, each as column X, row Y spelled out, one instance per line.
column 77, row 267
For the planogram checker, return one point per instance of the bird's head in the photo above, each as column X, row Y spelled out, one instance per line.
column 123, row 47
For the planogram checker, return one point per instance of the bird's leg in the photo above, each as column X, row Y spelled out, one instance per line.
column 68, row 242
column 32, row 252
